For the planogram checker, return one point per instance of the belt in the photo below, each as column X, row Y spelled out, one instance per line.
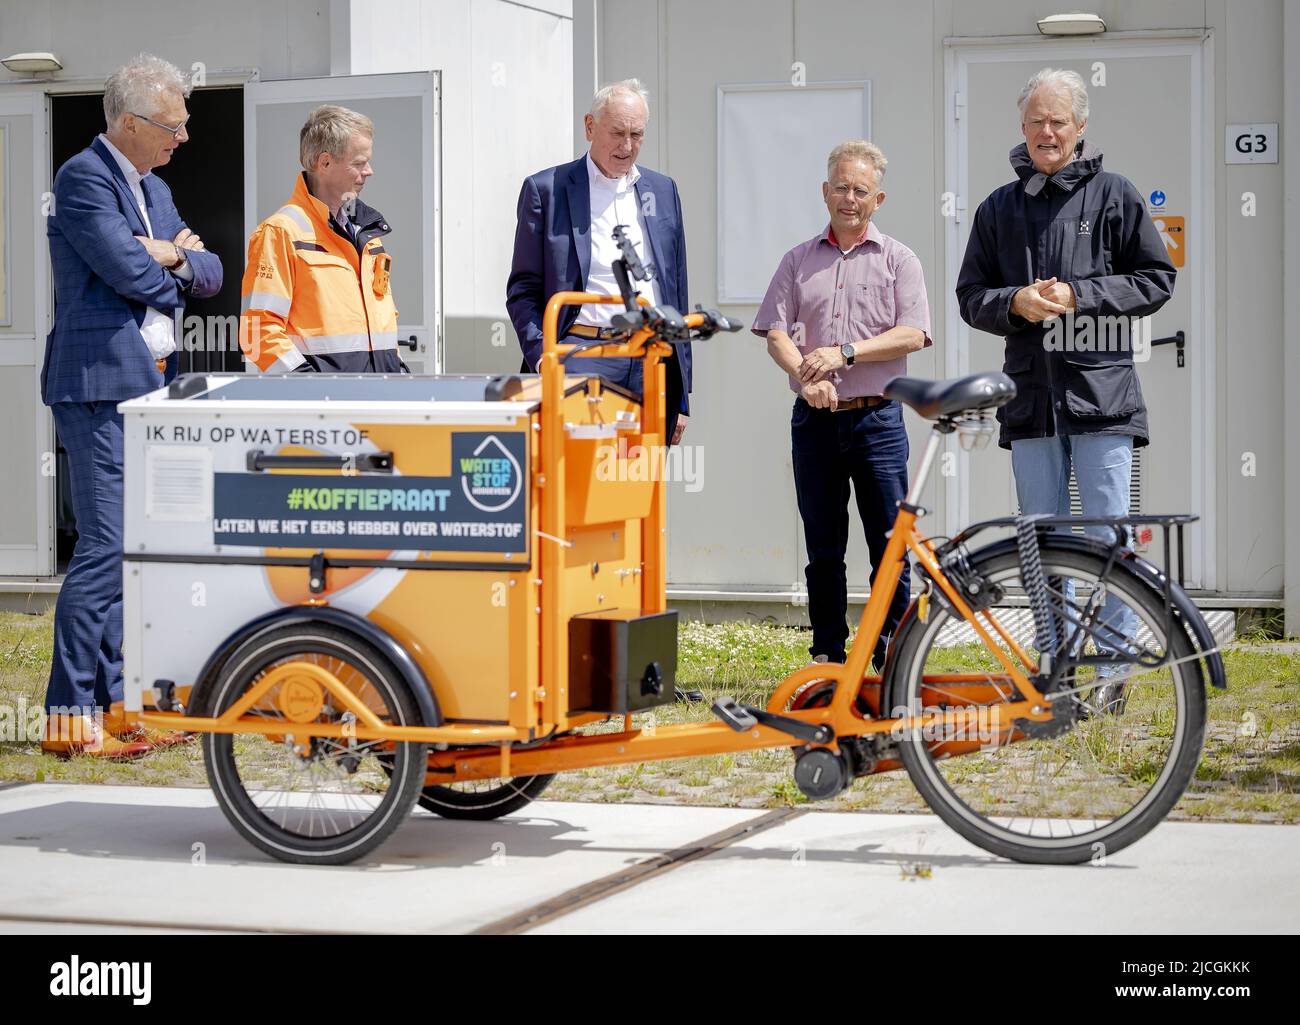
column 586, row 331
column 161, row 364
column 861, row 402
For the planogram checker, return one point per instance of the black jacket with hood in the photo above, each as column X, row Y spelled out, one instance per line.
column 1090, row 228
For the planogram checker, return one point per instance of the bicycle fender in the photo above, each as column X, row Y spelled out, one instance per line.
column 1193, row 622
column 307, row 615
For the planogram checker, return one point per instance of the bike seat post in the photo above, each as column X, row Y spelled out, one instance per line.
column 923, row 471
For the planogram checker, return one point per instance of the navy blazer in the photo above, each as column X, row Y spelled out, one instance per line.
column 553, row 251
column 105, row 280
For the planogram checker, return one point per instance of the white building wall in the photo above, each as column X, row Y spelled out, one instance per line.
column 514, row 89
column 280, row 38
column 1291, row 310
column 1248, row 79
column 506, row 108
column 742, row 530
column 507, row 105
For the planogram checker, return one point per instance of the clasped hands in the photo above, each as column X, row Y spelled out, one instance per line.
column 1043, row 300
column 819, row 363
column 164, row 252
column 814, row 369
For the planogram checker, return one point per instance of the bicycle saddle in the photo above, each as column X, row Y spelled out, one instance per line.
column 934, row 399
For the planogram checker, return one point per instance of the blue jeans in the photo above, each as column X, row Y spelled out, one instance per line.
column 868, row 448
column 1103, row 465
column 86, row 670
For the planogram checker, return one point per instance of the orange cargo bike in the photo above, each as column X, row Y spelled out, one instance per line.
column 365, row 593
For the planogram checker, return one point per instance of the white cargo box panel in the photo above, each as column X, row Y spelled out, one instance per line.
column 226, row 475
column 186, row 447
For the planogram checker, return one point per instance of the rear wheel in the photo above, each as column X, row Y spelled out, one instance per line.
column 323, row 800
column 1102, row 773
column 482, row 799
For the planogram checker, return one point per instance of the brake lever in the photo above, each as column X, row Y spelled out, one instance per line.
column 629, row 322
column 668, row 324
column 715, row 322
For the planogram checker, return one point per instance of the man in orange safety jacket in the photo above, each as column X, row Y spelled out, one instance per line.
column 316, row 291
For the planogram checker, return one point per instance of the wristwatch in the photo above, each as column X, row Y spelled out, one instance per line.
column 846, row 350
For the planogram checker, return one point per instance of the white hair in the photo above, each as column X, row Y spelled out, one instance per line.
column 1058, row 78
column 139, row 85
column 627, row 87
column 858, row 149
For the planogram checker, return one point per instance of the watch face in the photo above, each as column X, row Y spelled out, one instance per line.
column 847, row 352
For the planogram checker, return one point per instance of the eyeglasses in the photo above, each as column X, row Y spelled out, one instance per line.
column 173, row 132
column 840, row 191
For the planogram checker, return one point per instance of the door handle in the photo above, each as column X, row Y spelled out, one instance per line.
column 411, row 343
column 1176, row 339
column 374, row 462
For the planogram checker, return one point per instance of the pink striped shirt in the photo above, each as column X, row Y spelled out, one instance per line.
column 822, row 296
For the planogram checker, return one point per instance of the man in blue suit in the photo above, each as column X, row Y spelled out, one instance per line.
column 124, row 263
column 564, row 242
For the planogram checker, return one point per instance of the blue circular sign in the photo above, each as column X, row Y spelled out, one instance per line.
column 1157, row 198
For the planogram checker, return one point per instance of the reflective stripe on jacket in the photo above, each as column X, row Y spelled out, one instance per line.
column 311, row 296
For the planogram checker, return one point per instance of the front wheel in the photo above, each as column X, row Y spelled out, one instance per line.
column 1102, row 773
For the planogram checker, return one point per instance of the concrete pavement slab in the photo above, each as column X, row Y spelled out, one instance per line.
column 158, row 856
column 862, row 873
column 145, row 858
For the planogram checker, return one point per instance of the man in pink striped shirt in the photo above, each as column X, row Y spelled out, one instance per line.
column 840, row 316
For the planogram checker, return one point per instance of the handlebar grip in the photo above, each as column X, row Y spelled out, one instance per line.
column 715, row 322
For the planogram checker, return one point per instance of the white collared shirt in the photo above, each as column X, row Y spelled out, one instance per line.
column 613, row 202
column 158, row 329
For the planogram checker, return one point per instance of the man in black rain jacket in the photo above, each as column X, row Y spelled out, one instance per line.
column 1057, row 262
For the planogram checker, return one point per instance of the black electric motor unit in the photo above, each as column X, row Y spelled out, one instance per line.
column 822, row 773
column 621, row 661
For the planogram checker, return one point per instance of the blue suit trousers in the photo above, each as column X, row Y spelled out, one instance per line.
column 87, row 667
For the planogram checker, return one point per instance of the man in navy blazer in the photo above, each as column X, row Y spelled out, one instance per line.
column 563, row 242
column 124, row 263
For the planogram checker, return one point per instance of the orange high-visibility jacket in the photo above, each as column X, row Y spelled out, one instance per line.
column 309, row 295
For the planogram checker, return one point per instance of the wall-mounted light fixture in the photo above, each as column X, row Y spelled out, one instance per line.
column 1075, row 24
column 32, row 62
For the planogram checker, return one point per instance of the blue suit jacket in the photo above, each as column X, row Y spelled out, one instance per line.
column 553, row 251
column 104, row 281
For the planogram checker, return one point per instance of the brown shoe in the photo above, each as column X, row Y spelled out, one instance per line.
column 138, row 733
column 68, row 735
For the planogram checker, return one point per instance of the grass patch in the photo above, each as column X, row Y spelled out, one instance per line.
column 1250, row 770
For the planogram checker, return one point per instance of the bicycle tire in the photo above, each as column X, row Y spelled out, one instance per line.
column 405, row 765
column 482, row 805
column 1180, row 766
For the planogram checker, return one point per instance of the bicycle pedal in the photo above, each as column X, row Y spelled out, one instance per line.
column 689, row 695
column 734, row 714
